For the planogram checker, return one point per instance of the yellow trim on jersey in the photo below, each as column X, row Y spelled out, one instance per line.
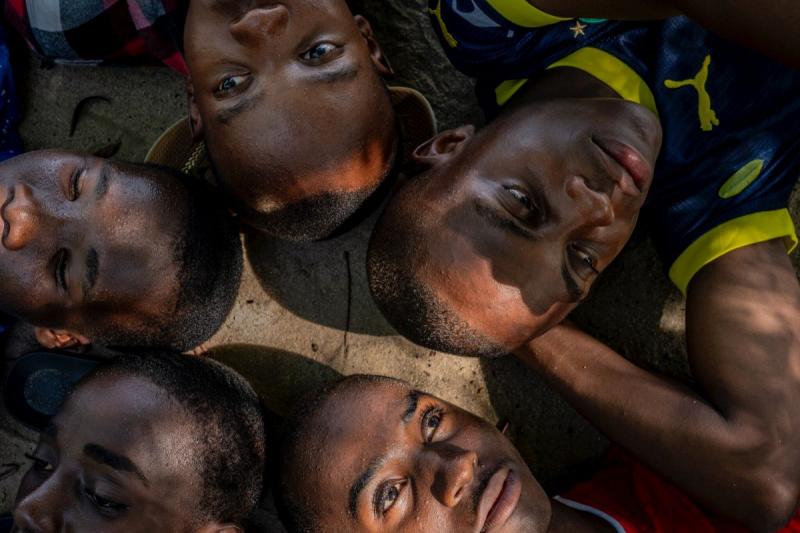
column 732, row 235
column 448, row 37
column 605, row 67
column 507, row 89
column 613, row 72
column 521, row 13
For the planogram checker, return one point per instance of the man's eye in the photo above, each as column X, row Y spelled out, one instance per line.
column 104, row 504
column 230, row 84
column 387, row 495
column 521, row 197
column 62, row 262
column 318, row 51
column 583, row 262
column 40, row 465
column 431, row 420
column 75, row 181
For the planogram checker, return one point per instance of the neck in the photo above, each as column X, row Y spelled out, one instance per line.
column 568, row 520
column 562, row 83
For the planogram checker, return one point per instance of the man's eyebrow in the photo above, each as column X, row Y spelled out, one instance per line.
column 117, row 462
column 573, row 289
column 412, row 403
column 244, row 103
column 501, row 222
column 92, row 270
column 101, row 187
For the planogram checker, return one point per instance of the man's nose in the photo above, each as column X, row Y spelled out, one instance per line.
column 23, row 217
column 259, row 23
column 593, row 207
column 40, row 511
column 454, row 476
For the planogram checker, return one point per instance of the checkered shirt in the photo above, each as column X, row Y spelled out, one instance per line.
column 102, row 31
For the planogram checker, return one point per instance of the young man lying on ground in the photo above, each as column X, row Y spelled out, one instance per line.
column 289, row 97
column 507, row 229
column 96, row 251
column 372, row 454
column 155, row 442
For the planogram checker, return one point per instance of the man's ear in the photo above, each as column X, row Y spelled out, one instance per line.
column 378, row 59
column 60, row 339
column 443, row 146
column 195, row 120
column 220, row 528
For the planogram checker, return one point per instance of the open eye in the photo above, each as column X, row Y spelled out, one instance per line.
column 582, row 261
column 318, row 52
column 387, row 495
column 520, row 197
column 524, row 205
column 231, row 84
column 431, row 420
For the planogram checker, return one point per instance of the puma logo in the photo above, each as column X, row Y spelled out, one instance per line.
column 448, row 37
column 708, row 118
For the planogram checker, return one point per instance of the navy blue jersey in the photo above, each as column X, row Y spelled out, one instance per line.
column 731, row 117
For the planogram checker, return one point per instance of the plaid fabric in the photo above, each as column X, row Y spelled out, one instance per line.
column 102, row 31
column 10, row 142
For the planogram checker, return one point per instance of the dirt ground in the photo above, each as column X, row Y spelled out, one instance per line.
column 304, row 314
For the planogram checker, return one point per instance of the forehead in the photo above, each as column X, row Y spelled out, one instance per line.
column 131, row 417
column 232, row 9
column 135, row 231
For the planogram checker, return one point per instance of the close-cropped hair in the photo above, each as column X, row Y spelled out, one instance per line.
column 208, row 254
column 230, row 452
column 297, row 515
column 397, row 248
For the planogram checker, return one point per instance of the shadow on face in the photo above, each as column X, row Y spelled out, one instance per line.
column 87, row 244
column 116, row 458
column 512, row 226
column 290, row 102
column 377, row 455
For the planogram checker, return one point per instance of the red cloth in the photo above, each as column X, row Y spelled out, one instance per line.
column 113, row 31
column 644, row 502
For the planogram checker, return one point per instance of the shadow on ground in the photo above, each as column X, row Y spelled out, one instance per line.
column 322, row 282
column 279, row 377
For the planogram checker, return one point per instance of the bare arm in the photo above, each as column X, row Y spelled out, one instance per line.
column 769, row 26
column 734, row 444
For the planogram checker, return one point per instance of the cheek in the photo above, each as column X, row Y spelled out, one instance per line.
column 30, row 482
column 24, row 293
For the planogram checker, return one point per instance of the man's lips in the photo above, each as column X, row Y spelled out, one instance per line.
column 636, row 167
column 499, row 500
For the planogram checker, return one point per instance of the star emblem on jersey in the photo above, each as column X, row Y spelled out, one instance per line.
column 577, row 29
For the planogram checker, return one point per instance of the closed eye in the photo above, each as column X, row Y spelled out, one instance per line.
column 104, row 505
column 75, row 184
column 61, row 265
